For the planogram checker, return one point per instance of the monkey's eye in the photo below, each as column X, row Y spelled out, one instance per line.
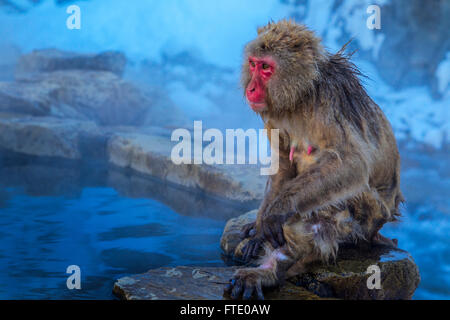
column 252, row 63
column 265, row 66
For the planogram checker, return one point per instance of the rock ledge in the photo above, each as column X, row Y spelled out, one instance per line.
column 192, row 283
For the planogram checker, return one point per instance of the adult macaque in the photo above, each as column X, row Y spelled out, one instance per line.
column 338, row 179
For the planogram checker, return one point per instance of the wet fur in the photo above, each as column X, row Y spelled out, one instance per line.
column 350, row 185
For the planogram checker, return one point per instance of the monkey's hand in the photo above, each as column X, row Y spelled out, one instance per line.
column 269, row 230
column 248, row 230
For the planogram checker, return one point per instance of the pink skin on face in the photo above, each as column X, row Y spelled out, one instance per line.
column 261, row 70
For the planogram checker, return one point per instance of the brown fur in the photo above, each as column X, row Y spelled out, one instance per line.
column 349, row 186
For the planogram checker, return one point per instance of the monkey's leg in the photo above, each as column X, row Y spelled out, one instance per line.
column 306, row 241
column 250, row 281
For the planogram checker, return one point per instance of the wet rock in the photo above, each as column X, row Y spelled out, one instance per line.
column 347, row 278
column 192, row 283
column 48, row 60
column 47, row 137
column 27, row 99
column 150, row 154
column 416, row 41
column 88, row 95
column 99, row 96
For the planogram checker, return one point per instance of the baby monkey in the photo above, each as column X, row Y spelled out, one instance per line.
column 338, row 179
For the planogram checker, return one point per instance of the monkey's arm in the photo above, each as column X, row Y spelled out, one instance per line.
column 332, row 177
column 274, row 183
column 286, row 171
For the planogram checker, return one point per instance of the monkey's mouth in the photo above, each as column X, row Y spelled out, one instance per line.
column 257, row 106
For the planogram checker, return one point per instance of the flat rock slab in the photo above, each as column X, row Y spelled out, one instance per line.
column 347, row 278
column 48, row 137
column 192, row 283
column 48, row 60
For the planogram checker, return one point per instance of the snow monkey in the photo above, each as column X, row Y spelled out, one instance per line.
column 338, row 179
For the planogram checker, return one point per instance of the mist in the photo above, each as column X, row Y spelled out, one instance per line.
column 138, row 70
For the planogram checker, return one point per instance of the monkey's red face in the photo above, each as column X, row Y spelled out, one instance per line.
column 261, row 70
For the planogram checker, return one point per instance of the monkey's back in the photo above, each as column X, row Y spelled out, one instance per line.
column 385, row 173
column 366, row 128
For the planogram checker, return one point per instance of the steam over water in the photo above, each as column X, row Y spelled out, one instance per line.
column 425, row 226
column 55, row 216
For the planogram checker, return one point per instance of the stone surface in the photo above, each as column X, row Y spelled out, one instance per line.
column 48, row 137
column 192, row 283
column 48, row 60
column 86, row 95
column 416, row 41
column 26, row 98
column 347, row 277
column 150, row 154
column 100, row 96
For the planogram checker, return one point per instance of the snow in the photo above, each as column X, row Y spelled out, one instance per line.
column 412, row 112
column 443, row 75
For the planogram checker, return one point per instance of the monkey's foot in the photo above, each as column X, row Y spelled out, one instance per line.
column 382, row 240
column 249, row 282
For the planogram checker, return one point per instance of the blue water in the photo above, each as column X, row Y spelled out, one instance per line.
column 112, row 223
column 44, row 229
column 424, row 229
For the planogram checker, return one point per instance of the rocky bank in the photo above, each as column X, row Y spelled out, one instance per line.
column 344, row 279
